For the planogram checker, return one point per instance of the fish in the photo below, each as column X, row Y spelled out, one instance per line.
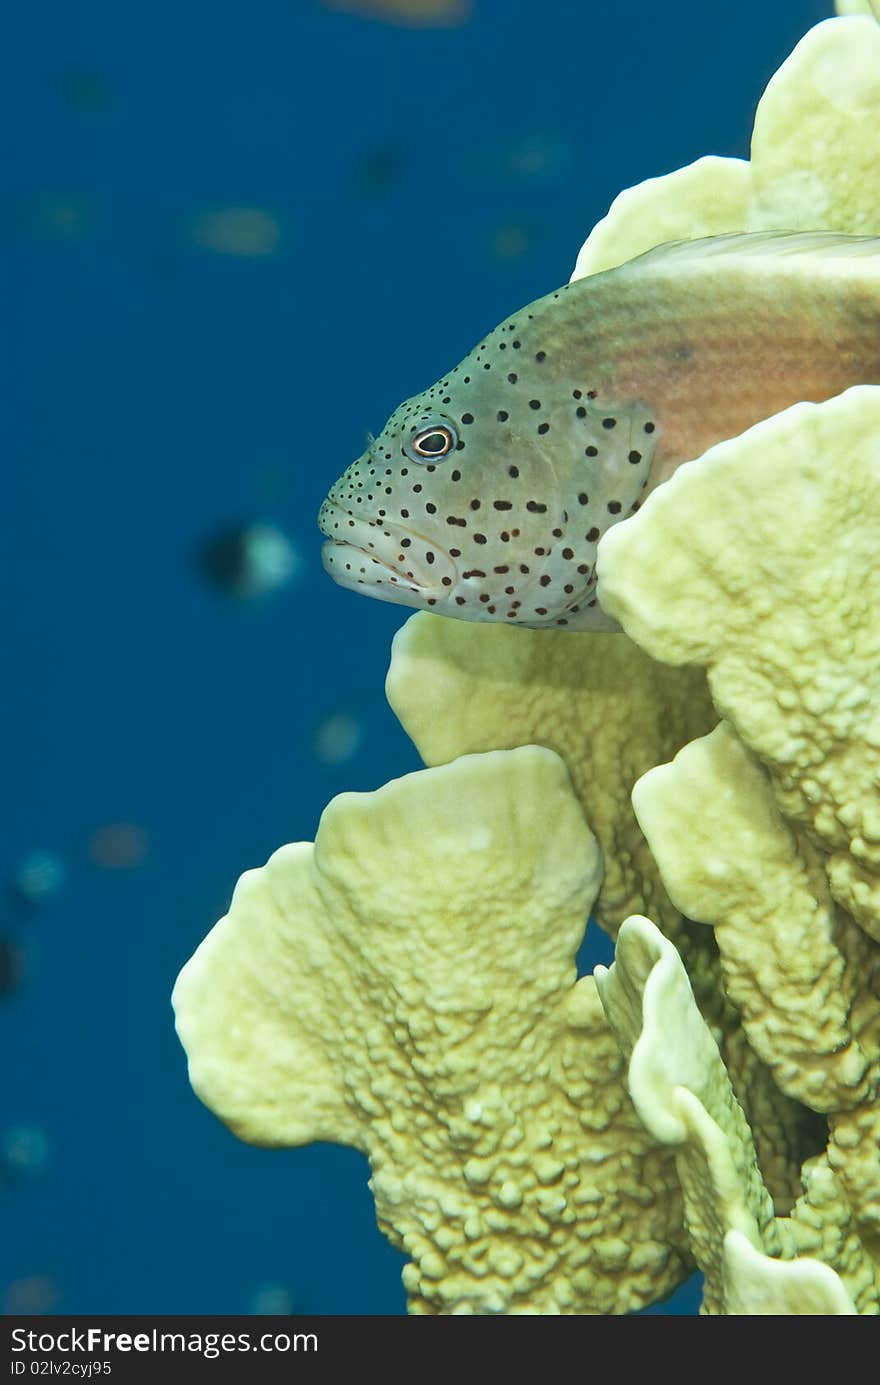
column 484, row 497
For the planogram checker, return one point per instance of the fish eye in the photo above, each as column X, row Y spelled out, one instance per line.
column 432, row 443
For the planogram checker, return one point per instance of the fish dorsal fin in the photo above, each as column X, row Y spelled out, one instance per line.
column 759, row 245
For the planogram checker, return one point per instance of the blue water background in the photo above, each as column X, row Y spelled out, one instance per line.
column 421, row 184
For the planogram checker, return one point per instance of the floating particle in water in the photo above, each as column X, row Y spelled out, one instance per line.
column 379, row 170
column 85, row 91
column 38, row 1293
column 542, row 157
column 510, row 242
column 11, row 966
column 246, row 232
column 24, row 1153
column 270, row 1299
column 54, row 216
column 415, row 13
column 248, row 560
column 119, row 846
column 38, row 878
column 337, row 738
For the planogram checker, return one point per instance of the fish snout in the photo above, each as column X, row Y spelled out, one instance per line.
column 389, row 559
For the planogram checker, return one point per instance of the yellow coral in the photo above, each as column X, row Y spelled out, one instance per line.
column 815, row 160
column 803, row 976
column 611, row 713
column 603, row 705
column 682, row 1093
column 407, row 986
column 773, row 535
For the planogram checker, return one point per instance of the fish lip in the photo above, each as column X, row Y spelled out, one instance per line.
column 361, row 529
column 404, row 580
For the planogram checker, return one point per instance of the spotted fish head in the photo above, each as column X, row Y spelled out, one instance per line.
column 484, row 497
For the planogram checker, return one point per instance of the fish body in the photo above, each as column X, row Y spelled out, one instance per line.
column 485, row 496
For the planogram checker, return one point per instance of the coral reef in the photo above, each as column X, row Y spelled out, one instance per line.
column 706, row 781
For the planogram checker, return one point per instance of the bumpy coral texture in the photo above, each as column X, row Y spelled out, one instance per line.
column 767, row 582
column 782, row 540
column 407, row 985
column 753, row 1263
column 805, row 976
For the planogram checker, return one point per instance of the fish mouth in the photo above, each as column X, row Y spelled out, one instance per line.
column 352, row 566
column 361, row 552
